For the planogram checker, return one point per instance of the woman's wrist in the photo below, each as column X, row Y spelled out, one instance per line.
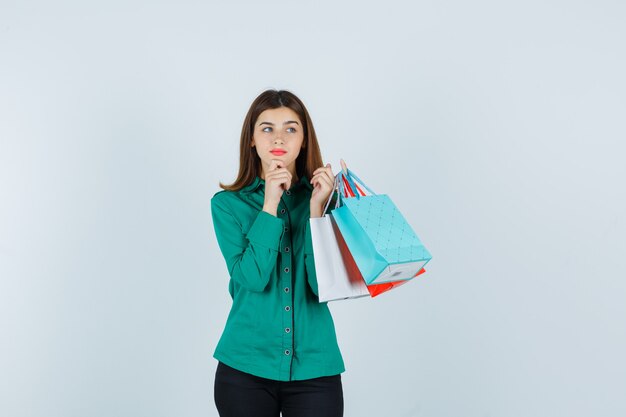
column 316, row 211
column 271, row 209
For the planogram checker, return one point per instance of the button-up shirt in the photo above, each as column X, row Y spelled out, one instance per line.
column 276, row 328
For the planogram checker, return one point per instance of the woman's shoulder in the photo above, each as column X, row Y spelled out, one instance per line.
column 225, row 197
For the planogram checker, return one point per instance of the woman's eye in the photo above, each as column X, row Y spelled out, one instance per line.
column 291, row 129
column 265, row 129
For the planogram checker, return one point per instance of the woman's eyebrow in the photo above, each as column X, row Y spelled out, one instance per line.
column 285, row 123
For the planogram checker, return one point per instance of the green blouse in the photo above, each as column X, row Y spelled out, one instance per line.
column 276, row 328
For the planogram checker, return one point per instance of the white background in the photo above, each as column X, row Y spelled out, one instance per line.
column 496, row 127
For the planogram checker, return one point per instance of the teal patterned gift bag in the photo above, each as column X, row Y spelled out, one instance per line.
column 382, row 243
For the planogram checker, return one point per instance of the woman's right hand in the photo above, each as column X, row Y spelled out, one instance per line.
column 277, row 180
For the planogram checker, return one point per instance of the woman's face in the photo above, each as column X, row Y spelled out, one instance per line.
column 278, row 134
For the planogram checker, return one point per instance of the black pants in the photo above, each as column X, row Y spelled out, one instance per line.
column 239, row 394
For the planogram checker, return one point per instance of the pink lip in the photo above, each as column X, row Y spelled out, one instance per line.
column 278, row 152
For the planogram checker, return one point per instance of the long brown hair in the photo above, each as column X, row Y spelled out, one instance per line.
column 309, row 158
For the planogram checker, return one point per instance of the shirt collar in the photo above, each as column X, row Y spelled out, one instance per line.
column 258, row 182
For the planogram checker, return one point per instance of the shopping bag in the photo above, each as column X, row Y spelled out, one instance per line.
column 335, row 279
column 374, row 289
column 378, row 289
column 353, row 270
column 383, row 245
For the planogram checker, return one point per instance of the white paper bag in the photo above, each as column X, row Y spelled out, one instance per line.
column 333, row 279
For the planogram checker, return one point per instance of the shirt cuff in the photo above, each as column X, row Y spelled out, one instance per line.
column 266, row 231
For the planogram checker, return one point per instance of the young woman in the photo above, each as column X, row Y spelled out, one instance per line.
column 278, row 351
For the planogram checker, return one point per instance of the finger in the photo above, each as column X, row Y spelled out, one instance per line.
column 278, row 176
column 329, row 183
column 323, row 179
column 273, row 164
column 316, row 176
column 329, row 172
column 326, row 173
column 327, row 166
column 344, row 167
column 279, row 171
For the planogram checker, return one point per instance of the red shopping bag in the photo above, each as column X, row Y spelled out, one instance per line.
column 377, row 289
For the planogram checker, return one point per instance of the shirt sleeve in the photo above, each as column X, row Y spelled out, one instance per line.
column 250, row 257
column 309, row 260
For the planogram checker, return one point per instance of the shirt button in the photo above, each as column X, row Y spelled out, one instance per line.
column 286, row 269
column 286, row 229
column 287, row 308
column 287, row 249
column 283, row 211
column 287, row 330
column 288, row 192
column 286, row 289
column 287, row 352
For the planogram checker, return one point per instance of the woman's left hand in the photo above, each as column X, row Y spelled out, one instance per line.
column 323, row 182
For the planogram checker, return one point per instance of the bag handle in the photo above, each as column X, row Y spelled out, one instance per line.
column 346, row 184
column 338, row 186
column 330, row 197
column 350, row 179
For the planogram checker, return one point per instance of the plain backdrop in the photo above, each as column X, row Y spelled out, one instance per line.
column 497, row 127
